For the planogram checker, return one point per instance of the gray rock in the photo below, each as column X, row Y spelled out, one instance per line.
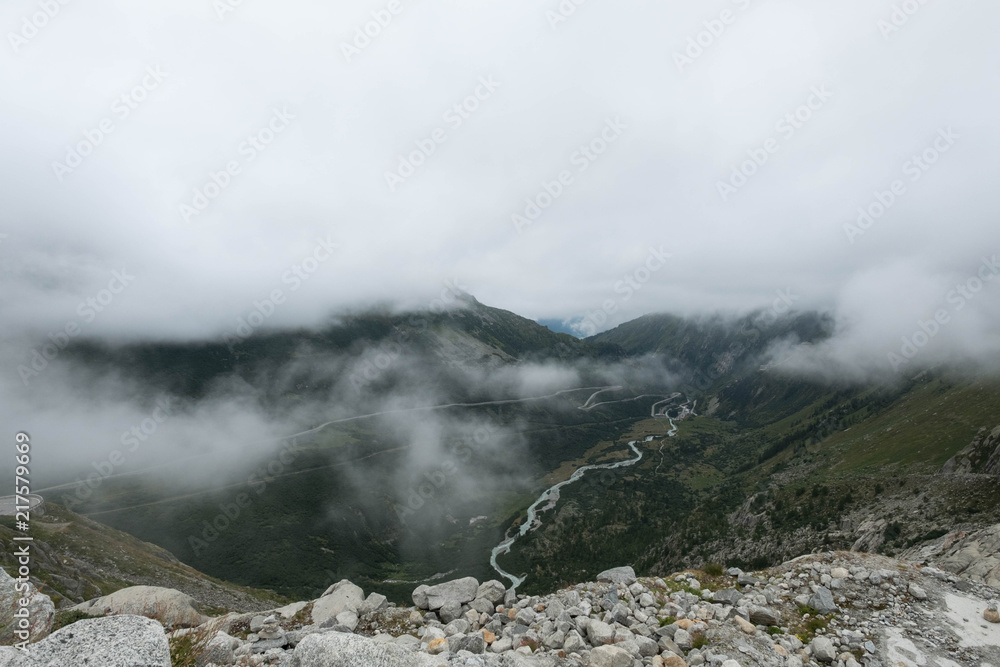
column 450, row 611
column 647, row 647
column 728, row 596
column 502, row 645
column 683, row 639
column 40, row 611
column 600, row 633
column 510, row 597
column 268, row 644
column 917, row 592
column 334, row 649
column 457, row 627
column 667, row 644
column 525, row 616
column 745, row 579
column 256, row 623
column 115, row 641
column 483, row 606
column 823, row 649
column 574, row 643
column 346, row 618
column 555, row 640
column 618, row 575
column 168, row 606
column 473, row 643
column 342, row 596
column 374, row 602
column 610, row 656
column 459, row 590
column 822, row 601
column 764, row 616
column 12, row 657
column 220, row 650
column 420, row 596
column 491, row 590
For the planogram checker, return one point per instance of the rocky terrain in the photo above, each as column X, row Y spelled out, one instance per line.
column 836, row 609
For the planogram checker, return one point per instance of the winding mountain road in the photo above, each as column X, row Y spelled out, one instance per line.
column 551, row 494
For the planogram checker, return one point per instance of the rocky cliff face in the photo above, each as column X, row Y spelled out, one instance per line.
column 836, row 609
column 982, row 456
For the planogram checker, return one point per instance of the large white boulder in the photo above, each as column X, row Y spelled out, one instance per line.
column 340, row 649
column 168, row 606
column 40, row 611
column 459, row 590
column 115, row 641
column 338, row 598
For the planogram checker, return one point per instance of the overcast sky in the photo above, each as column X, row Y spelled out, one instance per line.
column 185, row 84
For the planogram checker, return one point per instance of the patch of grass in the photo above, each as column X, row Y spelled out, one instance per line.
column 699, row 642
column 184, row 650
column 68, row 617
column 713, row 569
column 774, row 630
column 667, row 621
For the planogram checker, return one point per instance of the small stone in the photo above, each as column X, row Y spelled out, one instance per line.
column 374, row 602
column 917, row 592
column 727, row 596
column 823, row 649
column 437, row 646
column 822, row 601
column 745, row 625
column 600, row 633
column 991, row 614
column 764, row 616
column 610, row 656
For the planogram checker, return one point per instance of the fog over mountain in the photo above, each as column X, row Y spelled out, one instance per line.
column 843, row 101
